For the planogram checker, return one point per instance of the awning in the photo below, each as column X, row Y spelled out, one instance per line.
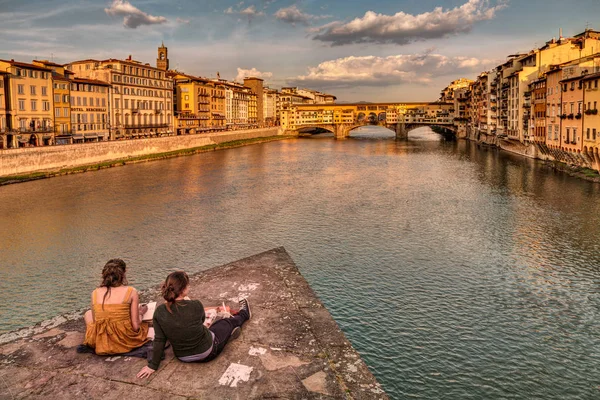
column 91, row 136
column 21, row 140
column 77, row 137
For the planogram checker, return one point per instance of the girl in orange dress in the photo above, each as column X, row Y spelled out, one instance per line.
column 114, row 324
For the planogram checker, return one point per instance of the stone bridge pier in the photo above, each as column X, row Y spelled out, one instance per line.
column 342, row 130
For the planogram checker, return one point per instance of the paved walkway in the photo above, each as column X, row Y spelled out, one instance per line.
column 291, row 349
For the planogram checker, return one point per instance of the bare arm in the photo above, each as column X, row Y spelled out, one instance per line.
column 136, row 318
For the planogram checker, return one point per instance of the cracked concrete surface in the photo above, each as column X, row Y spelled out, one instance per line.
column 291, row 349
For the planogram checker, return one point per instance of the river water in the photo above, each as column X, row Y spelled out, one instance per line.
column 457, row 272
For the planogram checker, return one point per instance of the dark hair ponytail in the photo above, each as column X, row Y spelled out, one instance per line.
column 174, row 285
column 113, row 275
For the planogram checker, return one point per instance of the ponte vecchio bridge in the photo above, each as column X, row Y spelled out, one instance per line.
column 341, row 119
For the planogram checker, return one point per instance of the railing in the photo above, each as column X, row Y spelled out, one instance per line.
column 146, row 126
column 48, row 129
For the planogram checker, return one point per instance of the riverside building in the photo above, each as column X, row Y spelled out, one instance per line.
column 60, row 98
column 28, row 106
column 256, row 111
column 89, row 110
column 141, row 96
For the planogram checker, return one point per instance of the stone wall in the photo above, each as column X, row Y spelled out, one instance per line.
column 27, row 160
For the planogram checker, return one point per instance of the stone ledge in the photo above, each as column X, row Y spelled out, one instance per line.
column 292, row 348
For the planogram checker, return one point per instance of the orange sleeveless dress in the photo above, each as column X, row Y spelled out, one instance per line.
column 111, row 332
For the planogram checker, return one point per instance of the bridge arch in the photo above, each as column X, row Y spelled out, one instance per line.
column 354, row 127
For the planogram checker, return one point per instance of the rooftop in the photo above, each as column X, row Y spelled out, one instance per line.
column 26, row 65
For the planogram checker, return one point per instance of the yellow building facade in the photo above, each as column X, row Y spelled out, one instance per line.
column 296, row 116
column 199, row 104
column 89, row 110
column 591, row 117
column 141, row 96
column 60, row 100
column 29, row 109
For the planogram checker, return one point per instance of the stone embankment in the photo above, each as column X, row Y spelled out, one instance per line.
column 291, row 348
column 56, row 158
column 581, row 165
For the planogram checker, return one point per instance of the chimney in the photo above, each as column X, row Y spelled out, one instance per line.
column 129, row 58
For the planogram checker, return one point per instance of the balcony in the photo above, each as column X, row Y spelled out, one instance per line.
column 41, row 129
column 146, row 126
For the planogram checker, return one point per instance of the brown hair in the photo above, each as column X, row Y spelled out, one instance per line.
column 113, row 275
column 174, row 285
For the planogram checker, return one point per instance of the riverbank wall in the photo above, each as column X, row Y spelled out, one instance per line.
column 583, row 165
column 290, row 349
column 54, row 158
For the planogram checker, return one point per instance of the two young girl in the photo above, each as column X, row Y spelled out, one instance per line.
column 114, row 325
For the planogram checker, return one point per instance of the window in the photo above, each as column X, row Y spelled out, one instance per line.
column 21, row 89
column 65, row 112
column 568, row 135
column 32, row 87
column 57, row 112
column 44, row 91
column 587, row 134
column 103, row 102
column 126, row 101
column 579, row 106
column 117, row 103
column 574, row 135
column 594, row 133
column 21, row 105
column 78, row 101
column 84, row 101
column 57, row 98
column 65, row 98
column 33, row 105
column 45, row 105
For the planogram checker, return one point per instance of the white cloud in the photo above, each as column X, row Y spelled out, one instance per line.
column 249, row 12
column 132, row 16
column 292, row 15
column 244, row 73
column 183, row 21
column 387, row 71
column 402, row 28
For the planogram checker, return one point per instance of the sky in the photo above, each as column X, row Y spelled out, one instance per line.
column 377, row 50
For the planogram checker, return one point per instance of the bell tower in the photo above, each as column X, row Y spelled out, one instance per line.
column 162, row 62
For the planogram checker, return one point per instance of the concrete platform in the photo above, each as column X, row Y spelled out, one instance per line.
column 291, row 349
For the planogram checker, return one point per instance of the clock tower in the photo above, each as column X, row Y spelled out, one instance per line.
column 162, row 62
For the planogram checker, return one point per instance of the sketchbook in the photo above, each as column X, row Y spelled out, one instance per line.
column 149, row 314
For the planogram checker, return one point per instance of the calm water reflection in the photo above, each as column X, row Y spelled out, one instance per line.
column 457, row 272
